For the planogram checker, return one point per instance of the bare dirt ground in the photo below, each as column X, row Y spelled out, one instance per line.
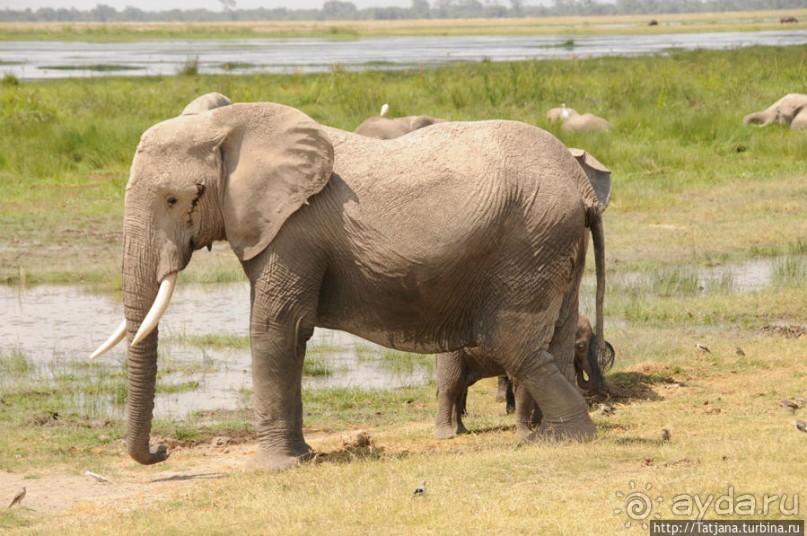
column 126, row 487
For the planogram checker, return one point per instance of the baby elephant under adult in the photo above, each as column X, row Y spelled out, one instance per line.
column 457, row 371
column 459, row 235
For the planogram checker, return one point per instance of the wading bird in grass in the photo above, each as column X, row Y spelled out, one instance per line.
column 802, row 426
column 703, row 348
column 384, row 109
column 420, row 490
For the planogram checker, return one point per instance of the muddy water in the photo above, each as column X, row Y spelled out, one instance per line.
column 57, row 327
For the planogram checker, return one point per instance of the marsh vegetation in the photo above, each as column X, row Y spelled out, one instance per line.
column 694, row 191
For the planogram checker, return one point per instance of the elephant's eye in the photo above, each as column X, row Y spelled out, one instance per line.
column 171, row 201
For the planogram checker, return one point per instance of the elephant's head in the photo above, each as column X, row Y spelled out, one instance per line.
column 218, row 171
column 588, row 366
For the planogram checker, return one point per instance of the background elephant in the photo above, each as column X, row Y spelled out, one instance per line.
column 586, row 122
column 383, row 128
column 457, row 371
column 460, row 235
column 789, row 110
column 559, row 115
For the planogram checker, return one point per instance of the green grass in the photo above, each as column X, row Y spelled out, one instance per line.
column 407, row 362
column 214, row 340
column 682, row 189
column 15, row 362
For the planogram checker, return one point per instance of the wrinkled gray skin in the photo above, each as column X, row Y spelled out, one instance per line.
column 383, row 128
column 789, row 110
column 456, row 371
column 459, row 235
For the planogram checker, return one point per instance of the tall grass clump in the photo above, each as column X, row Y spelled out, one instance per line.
column 190, row 67
column 790, row 270
column 799, row 247
column 15, row 362
column 675, row 281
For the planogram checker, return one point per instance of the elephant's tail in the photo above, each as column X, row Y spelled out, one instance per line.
column 598, row 240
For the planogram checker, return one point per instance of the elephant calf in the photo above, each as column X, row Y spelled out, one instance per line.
column 789, row 110
column 456, row 371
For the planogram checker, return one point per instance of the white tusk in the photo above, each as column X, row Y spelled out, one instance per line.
column 157, row 309
column 113, row 340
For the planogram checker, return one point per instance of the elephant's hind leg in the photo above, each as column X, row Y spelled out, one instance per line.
column 564, row 410
column 451, row 389
column 527, row 360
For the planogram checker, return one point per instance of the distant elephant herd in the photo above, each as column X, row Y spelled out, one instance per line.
column 466, row 240
column 790, row 110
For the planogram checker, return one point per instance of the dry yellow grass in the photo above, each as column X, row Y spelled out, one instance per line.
column 668, row 23
column 729, row 435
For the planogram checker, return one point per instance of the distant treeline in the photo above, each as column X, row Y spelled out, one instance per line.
column 420, row 9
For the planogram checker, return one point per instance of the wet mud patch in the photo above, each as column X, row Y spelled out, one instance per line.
column 210, row 439
column 788, row 331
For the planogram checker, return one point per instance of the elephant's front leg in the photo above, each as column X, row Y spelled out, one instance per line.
column 277, row 368
column 284, row 304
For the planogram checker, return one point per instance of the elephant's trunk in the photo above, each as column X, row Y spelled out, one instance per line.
column 139, row 293
column 595, row 384
column 758, row 117
column 142, row 378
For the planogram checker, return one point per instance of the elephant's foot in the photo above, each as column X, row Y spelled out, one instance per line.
column 584, row 430
column 445, row 432
column 277, row 461
column 449, row 431
column 523, row 432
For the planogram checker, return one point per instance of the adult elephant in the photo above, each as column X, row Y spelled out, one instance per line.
column 789, row 110
column 460, row 235
column 384, row 128
column 457, row 371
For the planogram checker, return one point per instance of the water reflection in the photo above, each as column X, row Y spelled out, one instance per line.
column 57, row 327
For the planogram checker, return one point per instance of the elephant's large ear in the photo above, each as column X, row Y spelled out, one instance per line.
column 205, row 103
column 275, row 158
column 598, row 175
